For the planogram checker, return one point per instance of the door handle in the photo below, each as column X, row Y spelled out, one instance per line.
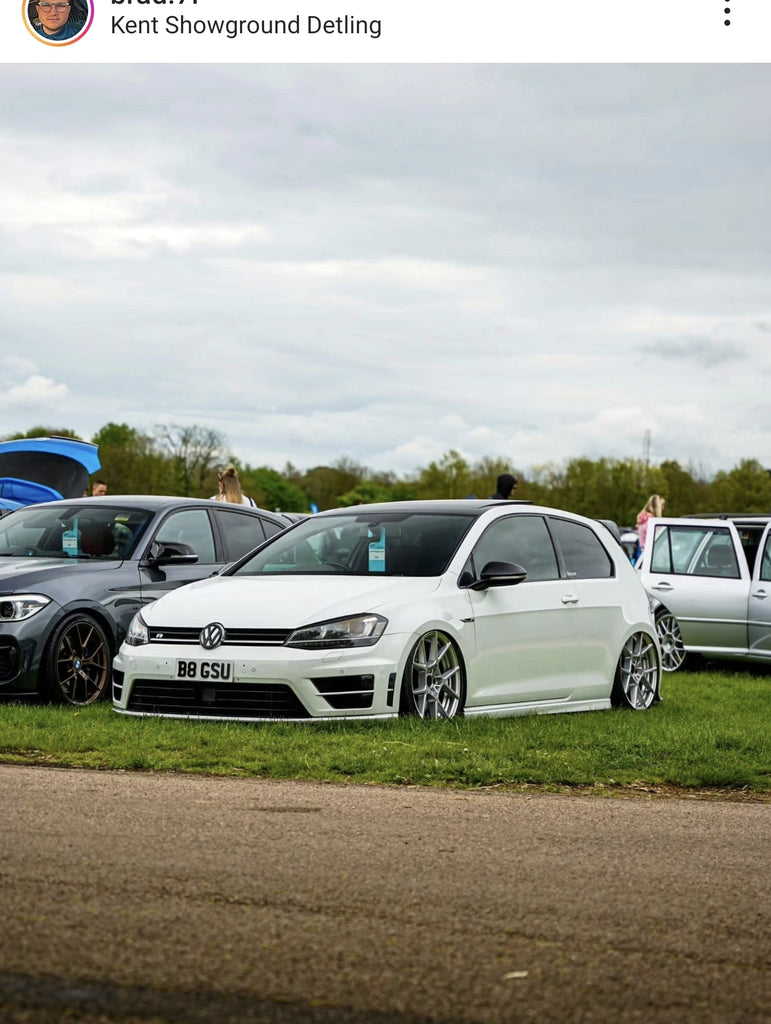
column 662, row 586
column 570, row 599
column 762, row 594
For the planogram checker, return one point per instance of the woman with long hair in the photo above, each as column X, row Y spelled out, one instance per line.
column 229, row 488
column 653, row 509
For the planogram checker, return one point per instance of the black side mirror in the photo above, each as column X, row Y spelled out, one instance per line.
column 499, row 574
column 172, row 553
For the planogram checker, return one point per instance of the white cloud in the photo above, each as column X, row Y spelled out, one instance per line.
column 35, row 393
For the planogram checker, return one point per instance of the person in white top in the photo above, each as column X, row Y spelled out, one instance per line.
column 229, row 488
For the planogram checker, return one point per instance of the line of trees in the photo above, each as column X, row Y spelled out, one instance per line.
column 185, row 460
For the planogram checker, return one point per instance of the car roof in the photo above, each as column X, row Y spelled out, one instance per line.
column 734, row 517
column 158, row 502
column 469, row 506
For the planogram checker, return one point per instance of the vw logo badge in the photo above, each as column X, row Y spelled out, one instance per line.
column 212, row 635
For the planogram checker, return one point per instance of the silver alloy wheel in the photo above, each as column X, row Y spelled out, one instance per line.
column 671, row 639
column 434, row 679
column 637, row 673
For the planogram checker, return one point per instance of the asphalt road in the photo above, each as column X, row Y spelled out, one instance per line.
column 161, row 899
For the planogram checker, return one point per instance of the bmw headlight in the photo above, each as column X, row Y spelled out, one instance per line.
column 354, row 631
column 21, row 606
column 137, row 632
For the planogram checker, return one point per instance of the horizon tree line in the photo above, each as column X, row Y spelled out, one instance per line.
column 185, row 460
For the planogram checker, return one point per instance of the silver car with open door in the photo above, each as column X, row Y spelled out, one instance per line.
column 710, row 578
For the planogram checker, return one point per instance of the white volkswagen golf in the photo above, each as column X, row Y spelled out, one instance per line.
column 433, row 608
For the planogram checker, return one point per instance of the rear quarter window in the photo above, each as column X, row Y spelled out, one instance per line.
column 583, row 553
column 240, row 533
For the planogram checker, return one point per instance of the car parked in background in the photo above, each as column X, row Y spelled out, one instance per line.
column 74, row 573
column 435, row 608
column 710, row 577
column 35, row 469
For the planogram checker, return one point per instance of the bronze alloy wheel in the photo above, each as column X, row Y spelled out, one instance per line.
column 76, row 665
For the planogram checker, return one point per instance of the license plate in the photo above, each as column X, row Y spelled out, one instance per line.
column 207, row 670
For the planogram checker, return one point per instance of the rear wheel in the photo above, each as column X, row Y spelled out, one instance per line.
column 76, row 663
column 637, row 674
column 673, row 654
column 434, row 683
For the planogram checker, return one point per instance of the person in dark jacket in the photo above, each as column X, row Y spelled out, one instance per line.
column 507, row 484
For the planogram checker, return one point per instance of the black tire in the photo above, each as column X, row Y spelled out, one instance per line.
column 77, row 662
column 673, row 653
column 636, row 683
column 434, row 681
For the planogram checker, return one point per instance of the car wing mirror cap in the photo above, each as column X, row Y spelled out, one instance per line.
column 172, row 553
column 499, row 574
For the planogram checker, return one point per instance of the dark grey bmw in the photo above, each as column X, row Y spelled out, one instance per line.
column 74, row 573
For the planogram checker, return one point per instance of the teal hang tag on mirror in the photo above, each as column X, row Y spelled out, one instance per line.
column 377, row 550
column 70, row 540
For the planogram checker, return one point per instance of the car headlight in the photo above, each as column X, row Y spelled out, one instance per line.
column 354, row 631
column 21, row 606
column 137, row 632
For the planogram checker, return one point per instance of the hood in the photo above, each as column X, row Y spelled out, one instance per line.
column 281, row 602
column 34, row 469
column 21, row 574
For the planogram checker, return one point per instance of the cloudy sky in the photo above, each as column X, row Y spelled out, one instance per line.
column 386, row 262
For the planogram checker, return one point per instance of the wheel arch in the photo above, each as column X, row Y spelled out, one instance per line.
column 443, row 626
column 94, row 611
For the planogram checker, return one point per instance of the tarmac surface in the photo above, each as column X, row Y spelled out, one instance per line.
column 131, row 898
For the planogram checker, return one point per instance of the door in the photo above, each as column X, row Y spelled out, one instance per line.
column 698, row 570
column 527, row 636
column 759, row 611
column 187, row 526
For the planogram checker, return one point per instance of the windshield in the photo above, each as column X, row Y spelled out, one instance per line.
column 367, row 544
column 72, row 531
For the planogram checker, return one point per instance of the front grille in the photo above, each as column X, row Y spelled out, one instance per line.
column 233, row 637
column 9, row 661
column 342, row 692
column 220, row 700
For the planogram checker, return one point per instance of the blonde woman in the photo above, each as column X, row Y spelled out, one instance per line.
column 229, row 488
column 653, row 509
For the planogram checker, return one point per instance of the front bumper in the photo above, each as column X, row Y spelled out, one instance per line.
column 273, row 684
column 21, row 648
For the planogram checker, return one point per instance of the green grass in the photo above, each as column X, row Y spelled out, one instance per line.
column 712, row 732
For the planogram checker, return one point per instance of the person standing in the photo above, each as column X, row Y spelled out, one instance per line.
column 653, row 509
column 506, row 484
column 98, row 489
column 229, row 488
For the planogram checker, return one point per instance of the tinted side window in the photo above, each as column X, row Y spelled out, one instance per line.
column 522, row 539
column 190, row 526
column 582, row 551
column 239, row 533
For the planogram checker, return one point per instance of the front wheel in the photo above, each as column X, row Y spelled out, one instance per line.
column 434, row 683
column 76, row 663
column 673, row 654
column 637, row 674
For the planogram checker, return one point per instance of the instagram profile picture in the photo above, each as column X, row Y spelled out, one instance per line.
column 58, row 22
